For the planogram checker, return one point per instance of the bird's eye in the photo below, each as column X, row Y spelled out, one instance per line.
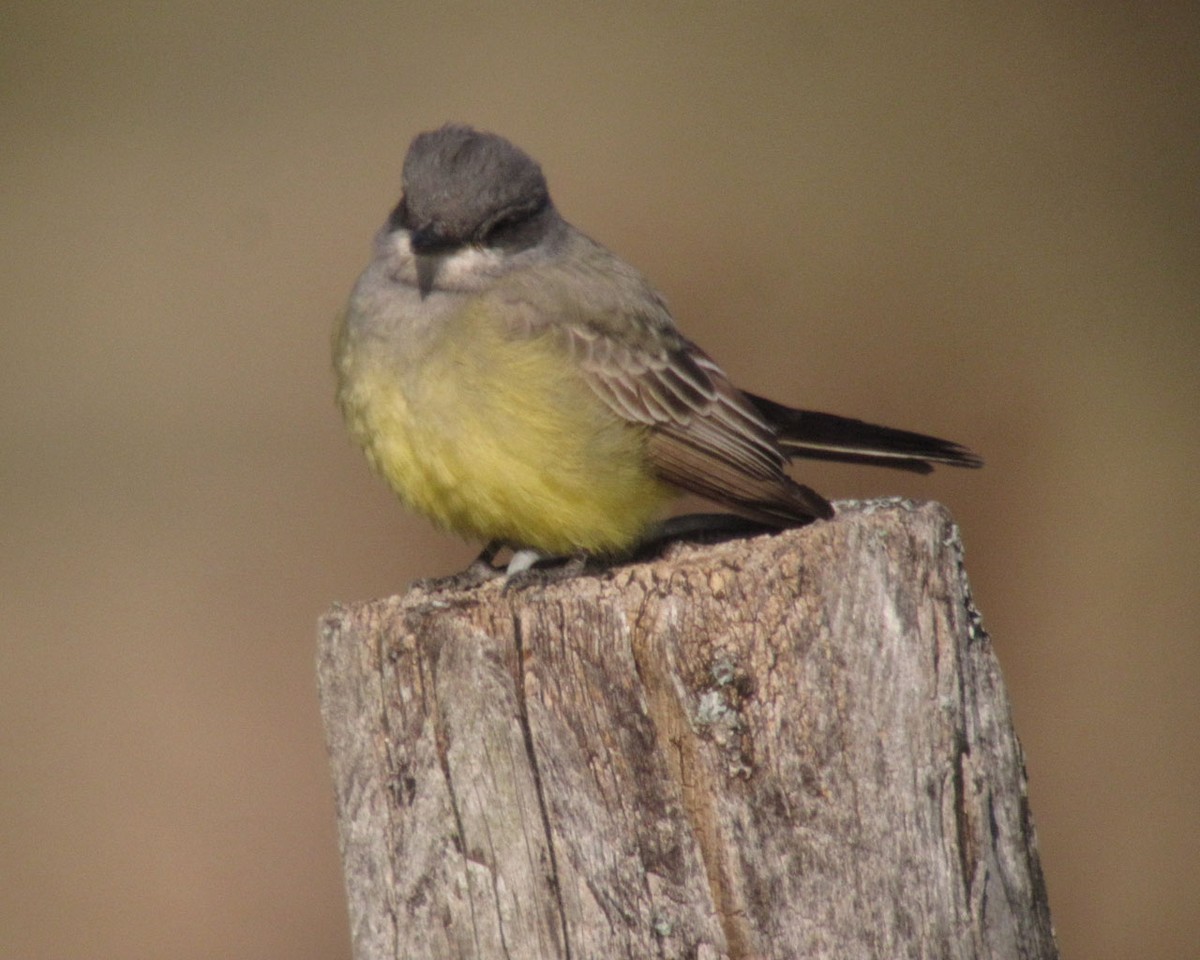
column 502, row 228
column 399, row 220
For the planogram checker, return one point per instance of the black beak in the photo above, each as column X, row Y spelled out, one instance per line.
column 428, row 240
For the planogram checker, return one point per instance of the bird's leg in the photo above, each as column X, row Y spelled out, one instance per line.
column 481, row 570
column 540, row 570
column 523, row 560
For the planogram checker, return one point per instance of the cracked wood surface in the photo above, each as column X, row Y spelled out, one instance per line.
column 789, row 746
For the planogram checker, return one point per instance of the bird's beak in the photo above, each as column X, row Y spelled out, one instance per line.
column 427, row 270
column 428, row 240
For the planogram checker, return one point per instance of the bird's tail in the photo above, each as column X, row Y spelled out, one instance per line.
column 826, row 436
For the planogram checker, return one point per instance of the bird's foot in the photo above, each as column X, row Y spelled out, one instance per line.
column 481, row 570
column 540, row 571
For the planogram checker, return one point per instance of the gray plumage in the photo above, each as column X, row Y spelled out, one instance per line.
column 475, row 194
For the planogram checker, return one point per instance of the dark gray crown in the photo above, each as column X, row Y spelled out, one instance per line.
column 461, row 184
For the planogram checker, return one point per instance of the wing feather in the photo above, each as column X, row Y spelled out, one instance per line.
column 703, row 434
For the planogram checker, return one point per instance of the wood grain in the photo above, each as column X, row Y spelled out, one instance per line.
column 796, row 745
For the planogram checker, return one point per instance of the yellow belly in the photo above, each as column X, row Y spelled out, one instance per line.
column 497, row 439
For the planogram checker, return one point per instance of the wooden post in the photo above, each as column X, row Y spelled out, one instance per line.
column 795, row 745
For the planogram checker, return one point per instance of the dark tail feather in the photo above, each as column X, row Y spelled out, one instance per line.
column 826, row 436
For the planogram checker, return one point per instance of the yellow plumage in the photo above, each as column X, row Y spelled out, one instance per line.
column 518, row 383
column 497, row 437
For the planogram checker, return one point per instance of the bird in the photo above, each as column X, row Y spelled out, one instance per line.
column 520, row 385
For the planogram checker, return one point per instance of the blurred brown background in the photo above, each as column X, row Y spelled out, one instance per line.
column 982, row 222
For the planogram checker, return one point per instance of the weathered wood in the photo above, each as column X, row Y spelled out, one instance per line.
column 790, row 746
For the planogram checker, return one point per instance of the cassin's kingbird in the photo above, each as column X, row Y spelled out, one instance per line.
column 516, row 382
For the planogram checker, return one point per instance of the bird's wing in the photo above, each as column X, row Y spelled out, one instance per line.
column 703, row 434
